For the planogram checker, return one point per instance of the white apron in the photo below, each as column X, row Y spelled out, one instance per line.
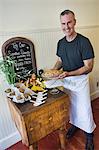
column 80, row 110
column 79, row 92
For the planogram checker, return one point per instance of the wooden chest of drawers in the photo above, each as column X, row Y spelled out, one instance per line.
column 34, row 123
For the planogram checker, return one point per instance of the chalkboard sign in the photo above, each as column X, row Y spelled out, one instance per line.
column 21, row 50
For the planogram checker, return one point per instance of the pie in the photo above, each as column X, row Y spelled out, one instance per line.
column 52, row 73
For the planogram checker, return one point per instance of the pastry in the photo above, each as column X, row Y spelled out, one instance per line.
column 26, row 95
column 12, row 93
column 19, row 97
column 8, row 90
column 52, row 73
column 21, row 90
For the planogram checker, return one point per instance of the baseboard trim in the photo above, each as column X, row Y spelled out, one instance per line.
column 9, row 140
column 95, row 95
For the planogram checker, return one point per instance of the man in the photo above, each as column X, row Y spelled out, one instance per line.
column 76, row 57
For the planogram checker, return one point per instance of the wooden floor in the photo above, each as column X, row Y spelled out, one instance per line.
column 51, row 142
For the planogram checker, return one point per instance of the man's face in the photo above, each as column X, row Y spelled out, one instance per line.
column 68, row 23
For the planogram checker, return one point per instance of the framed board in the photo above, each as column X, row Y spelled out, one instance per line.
column 21, row 51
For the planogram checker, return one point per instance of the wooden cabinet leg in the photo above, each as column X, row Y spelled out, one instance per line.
column 34, row 146
column 62, row 138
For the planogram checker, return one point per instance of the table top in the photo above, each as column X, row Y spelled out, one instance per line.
column 27, row 107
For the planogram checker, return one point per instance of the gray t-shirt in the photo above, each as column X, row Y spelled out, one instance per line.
column 73, row 53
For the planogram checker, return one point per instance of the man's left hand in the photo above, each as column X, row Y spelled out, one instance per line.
column 63, row 75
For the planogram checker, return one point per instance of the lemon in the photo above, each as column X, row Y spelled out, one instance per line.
column 37, row 88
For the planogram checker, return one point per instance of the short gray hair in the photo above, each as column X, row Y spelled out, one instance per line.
column 67, row 12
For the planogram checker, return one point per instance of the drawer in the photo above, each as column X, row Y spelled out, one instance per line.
column 46, row 120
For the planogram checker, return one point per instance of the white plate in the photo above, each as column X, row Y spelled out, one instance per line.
column 38, row 103
column 27, row 99
column 54, row 91
column 27, row 90
column 18, row 101
column 10, row 96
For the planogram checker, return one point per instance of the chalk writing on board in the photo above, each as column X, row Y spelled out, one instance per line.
column 21, row 50
column 21, row 53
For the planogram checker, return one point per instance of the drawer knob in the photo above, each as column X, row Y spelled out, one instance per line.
column 50, row 118
column 31, row 129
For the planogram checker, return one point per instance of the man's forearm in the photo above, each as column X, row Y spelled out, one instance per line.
column 58, row 65
column 80, row 71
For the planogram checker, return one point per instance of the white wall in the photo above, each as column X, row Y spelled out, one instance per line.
column 29, row 14
column 39, row 21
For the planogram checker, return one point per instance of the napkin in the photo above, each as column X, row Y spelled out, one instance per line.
column 53, row 83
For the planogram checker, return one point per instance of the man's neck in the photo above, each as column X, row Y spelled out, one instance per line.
column 72, row 37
